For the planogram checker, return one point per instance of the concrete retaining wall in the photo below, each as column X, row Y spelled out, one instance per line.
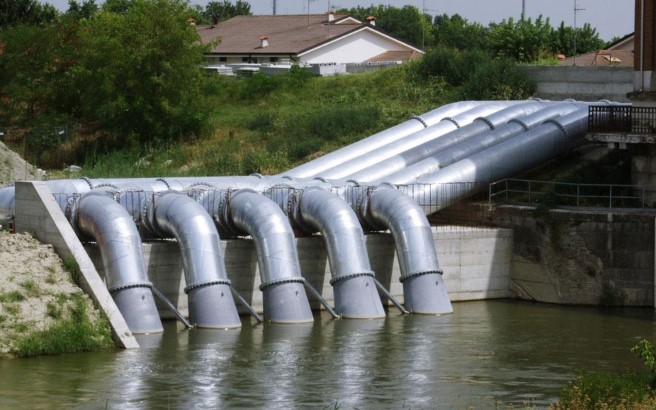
column 476, row 264
column 583, row 83
column 38, row 214
column 578, row 257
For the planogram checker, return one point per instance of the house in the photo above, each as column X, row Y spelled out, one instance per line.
column 618, row 54
column 312, row 39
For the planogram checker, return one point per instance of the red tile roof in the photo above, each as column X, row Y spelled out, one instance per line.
column 287, row 34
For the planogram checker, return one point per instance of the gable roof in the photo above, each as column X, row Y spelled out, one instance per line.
column 617, row 58
column 286, row 34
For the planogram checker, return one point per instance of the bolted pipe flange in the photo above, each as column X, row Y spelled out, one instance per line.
column 203, row 284
column 130, row 286
column 333, row 281
column 281, row 281
column 407, row 276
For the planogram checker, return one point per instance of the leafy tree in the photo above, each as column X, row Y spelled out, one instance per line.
column 82, row 11
column 571, row 41
column 220, row 11
column 117, row 6
column 523, row 41
column 458, row 33
column 25, row 12
column 406, row 23
column 474, row 74
column 138, row 72
column 24, row 66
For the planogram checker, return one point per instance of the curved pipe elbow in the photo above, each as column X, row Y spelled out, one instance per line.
column 353, row 282
column 103, row 219
column 261, row 218
column 208, row 288
column 423, row 286
column 284, row 297
column 341, row 229
column 174, row 213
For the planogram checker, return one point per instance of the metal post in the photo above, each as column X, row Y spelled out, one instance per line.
column 392, row 298
column 321, row 299
column 246, row 305
column 172, row 307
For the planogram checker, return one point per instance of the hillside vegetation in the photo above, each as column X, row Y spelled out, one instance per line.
column 270, row 124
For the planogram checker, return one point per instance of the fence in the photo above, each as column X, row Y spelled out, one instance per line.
column 40, row 145
column 622, row 119
column 562, row 194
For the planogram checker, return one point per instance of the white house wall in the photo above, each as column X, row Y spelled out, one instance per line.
column 356, row 48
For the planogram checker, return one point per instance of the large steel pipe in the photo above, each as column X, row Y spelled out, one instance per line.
column 479, row 125
column 353, row 282
column 505, row 159
column 110, row 225
column 382, row 154
column 352, row 151
column 210, row 298
column 424, row 290
column 467, row 147
column 284, row 297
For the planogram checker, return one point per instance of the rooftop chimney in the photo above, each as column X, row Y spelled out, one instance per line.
column 371, row 20
column 264, row 41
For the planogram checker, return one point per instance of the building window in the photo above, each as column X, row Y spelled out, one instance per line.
column 223, row 59
column 273, row 59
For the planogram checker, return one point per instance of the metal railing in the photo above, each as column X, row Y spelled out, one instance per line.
column 563, row 194
column 622, row 119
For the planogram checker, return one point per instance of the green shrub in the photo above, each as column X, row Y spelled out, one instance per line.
column 76, row 333
column 592, row 390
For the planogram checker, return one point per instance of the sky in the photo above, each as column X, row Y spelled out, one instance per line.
column 611, row 18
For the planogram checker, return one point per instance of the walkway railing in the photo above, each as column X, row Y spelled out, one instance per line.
column 622, row 119
column 562, row 194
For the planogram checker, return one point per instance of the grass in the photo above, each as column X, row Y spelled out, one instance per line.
column 271, row 124
column 73, row 333
column 603, row 390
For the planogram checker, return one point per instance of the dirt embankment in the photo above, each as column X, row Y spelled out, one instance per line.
column 14, row 168
column 36, row 289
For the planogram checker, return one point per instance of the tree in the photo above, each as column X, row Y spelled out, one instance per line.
column 570, row 41
column 220, row 11
column 523, row 41
column 458, row 33
column 117, row 6
column 138, row 72
column 406, row 23
column 25, row 12
column 82, row 11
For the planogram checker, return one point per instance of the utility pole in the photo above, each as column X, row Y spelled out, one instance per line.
column 576, row 10
column 523, row 9
column 274, row 7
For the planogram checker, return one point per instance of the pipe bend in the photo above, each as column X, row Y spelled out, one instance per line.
column 341, row 229
column 106, row 221
column 274, row 239
column 173, row 213
column 412, row 233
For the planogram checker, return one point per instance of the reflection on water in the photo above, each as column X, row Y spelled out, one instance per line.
column 484, row 353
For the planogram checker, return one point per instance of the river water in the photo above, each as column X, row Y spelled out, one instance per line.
column 485, row 354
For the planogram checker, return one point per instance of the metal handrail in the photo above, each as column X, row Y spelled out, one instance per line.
column 571, row 194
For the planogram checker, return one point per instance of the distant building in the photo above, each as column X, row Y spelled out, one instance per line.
column 619, row 54
column 313, row 39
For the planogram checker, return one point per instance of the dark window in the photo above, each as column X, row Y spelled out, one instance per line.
column 273, row 59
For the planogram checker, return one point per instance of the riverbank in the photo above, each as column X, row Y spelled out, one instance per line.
column 39, row 301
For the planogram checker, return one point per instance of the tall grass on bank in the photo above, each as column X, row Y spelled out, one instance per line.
column 72, row 333
column 602, row 390
column 268, row 124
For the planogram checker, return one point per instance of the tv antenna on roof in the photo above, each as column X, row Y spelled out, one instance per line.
column 576, row 10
